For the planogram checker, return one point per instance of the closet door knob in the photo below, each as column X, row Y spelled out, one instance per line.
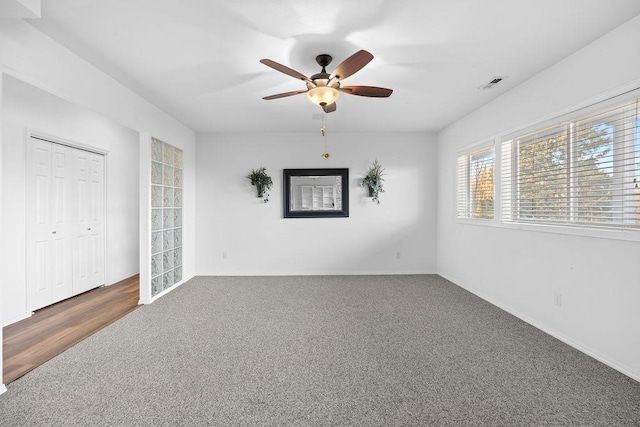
column 88, row 229
column 53, row 232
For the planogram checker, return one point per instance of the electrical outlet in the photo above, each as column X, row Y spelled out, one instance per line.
column 557, row 299
column 224, row 255
column 398, row 255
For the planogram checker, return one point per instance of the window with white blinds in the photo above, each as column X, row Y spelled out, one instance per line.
column 475, row 188
column 584, row 172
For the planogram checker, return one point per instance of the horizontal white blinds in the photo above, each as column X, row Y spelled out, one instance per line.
column 583, row 172
column 475, row 184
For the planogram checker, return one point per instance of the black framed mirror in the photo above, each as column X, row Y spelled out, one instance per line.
column 316, row 193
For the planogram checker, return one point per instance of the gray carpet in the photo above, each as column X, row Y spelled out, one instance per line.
column 320, row 351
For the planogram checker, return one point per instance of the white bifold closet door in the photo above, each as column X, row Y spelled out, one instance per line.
column 88, row 237
column 65, row 222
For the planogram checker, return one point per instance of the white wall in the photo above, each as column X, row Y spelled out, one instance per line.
column 28, row 108
column 2, row 386
column 520, row 270
column 258, row 240
column 31, row 56
column 35, row 58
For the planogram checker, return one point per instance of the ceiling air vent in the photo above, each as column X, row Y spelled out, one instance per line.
column 493, row 82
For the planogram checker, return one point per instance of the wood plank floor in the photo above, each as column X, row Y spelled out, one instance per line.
column 54, row 329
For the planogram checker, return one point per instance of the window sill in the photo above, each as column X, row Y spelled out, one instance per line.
column 631, row 235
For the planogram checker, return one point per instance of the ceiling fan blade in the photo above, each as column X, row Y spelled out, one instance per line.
column 371, row 91
column 285, row 94
column 329, row 108
column 352, row 65
column 286, row 70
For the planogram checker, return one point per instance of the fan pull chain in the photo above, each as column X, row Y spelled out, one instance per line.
column 323, row 131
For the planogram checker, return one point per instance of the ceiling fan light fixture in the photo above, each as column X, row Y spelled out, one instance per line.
column 323, row 95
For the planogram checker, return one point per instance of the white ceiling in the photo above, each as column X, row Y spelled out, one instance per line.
column 198, row 59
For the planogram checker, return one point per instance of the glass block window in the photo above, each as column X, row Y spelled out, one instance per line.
column 166, row 216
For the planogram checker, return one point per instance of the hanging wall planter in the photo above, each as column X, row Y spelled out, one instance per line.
column 371, row 194
column 373, row 181
column 262, row 181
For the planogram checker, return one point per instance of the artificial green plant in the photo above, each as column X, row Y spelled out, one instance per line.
column 262, row 181
column 373, row 180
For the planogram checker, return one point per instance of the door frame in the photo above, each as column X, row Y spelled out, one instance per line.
column 31, row 133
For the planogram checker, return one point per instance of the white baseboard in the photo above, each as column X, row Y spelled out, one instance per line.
column 3, row 389
column 318, row 273
column 582, row 348
column 17, row 319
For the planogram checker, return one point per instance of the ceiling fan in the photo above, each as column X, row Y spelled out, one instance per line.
column 324, row 88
